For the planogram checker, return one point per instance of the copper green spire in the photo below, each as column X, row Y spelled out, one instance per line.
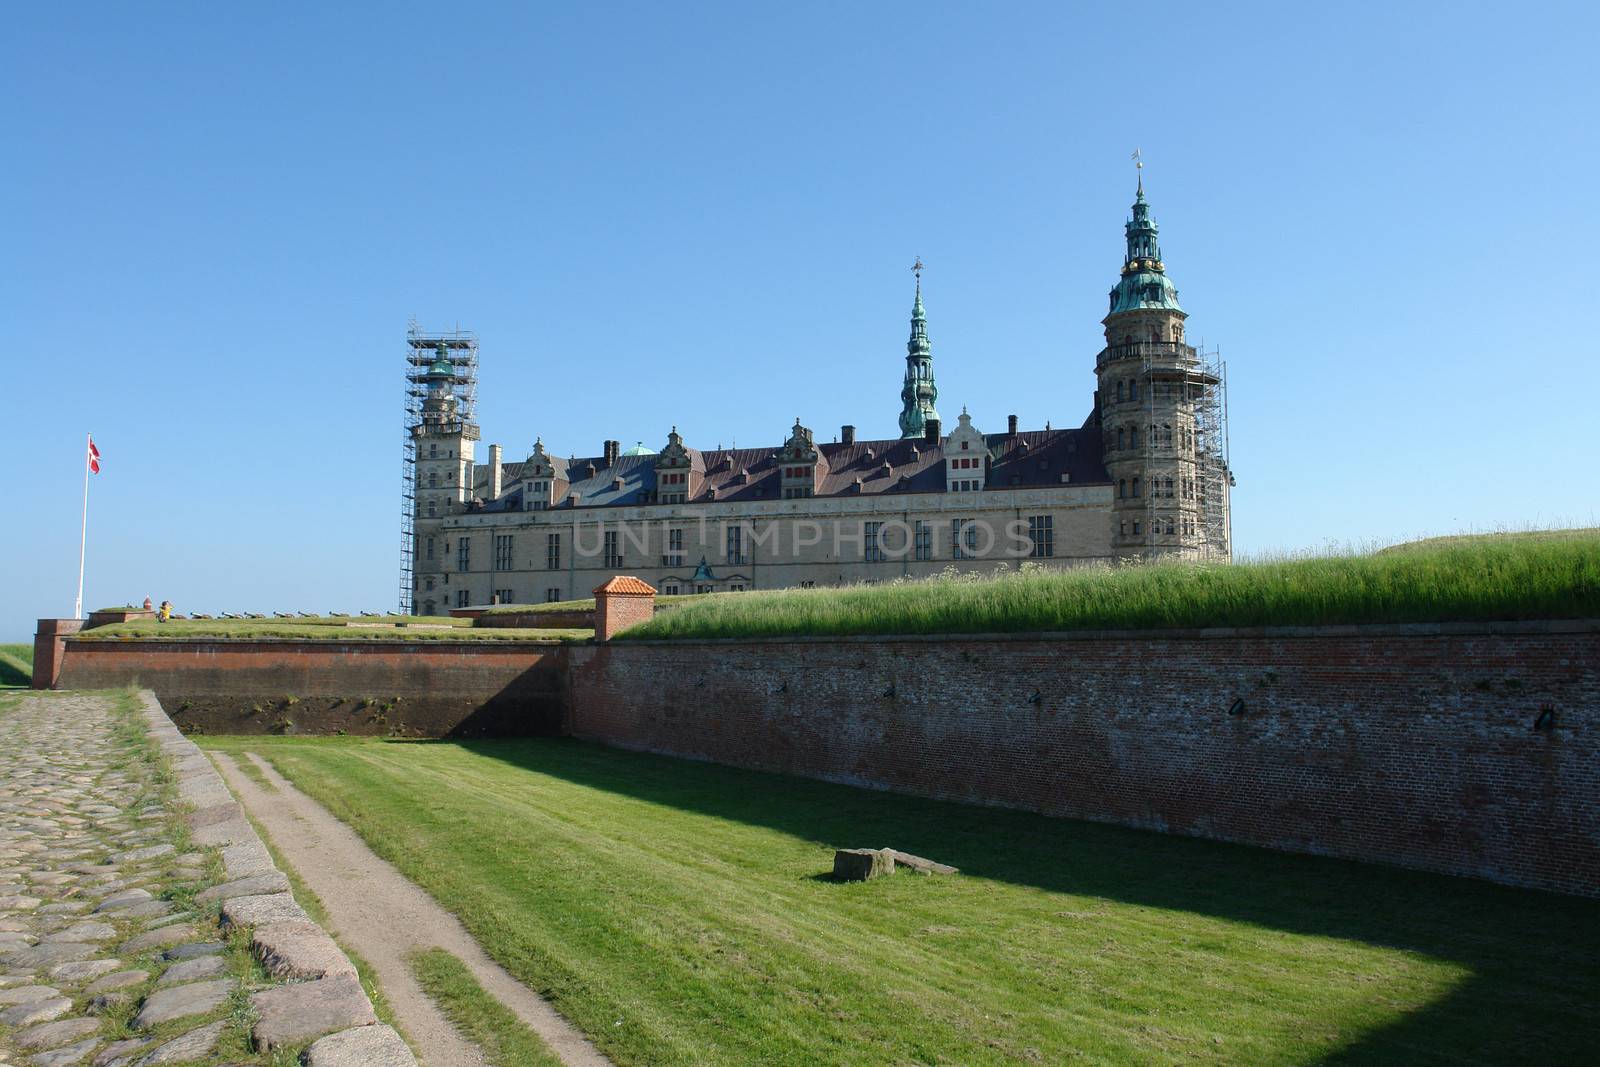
column 1144, row 282
column 919, row 393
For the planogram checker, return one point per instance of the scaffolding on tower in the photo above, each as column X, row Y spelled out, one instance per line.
column 1200, row 470
column 422, row 347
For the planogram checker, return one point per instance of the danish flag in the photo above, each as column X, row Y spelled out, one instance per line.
column 94, row 457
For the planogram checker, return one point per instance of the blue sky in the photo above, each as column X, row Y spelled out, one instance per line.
column 220, row 219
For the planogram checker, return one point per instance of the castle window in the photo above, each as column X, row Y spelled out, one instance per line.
column 963, row 538
column 502, row 552
column 1041, row 531
column 612, row 552
column 923, row 540
column 552, row 551
column 430, row 509
column 964, row 444
column 428, row 554
column 1134, row 489
column 1121, row 437
column 1167, row 490
column 461, row 598
column 427, row 607
column 433, row 451
column 1133, row 437
column 504, row 596
column 1119, row 390
column 872, row 551
column 669, row 588
column 1133, row 389
column 1170, row 528
column 463, row 555
column 736, row 545
column 433, row 480
column 1122, row 487
column 1123, row 531
column 552, row 595
column 1136, row 528
column 428, row 584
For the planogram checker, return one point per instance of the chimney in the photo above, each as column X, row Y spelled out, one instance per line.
column 612, row 448
column 495, row 471
column 847, row 435
column 1011, row 425
column 930, row 431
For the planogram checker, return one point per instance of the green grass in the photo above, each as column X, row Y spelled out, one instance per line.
column 506, row 1040
column 584, row 604
column 325, row 630
column 679, row 913
column 1473, row 579
column 16, row 666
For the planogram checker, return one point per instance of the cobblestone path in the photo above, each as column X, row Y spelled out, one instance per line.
column 123, row 941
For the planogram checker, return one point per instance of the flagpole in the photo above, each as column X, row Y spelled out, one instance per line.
column 83, row 537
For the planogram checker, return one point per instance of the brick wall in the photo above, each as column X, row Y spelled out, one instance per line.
column 49, row 647
column 409, row 688
column 1417, row 745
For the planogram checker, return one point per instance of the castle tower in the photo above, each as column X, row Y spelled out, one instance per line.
column 444, row 446
column 1151, row 382
column 918, row 395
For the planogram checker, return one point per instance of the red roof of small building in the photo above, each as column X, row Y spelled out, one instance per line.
column 624, row 585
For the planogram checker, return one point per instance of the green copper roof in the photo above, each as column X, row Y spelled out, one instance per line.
column 1144, row 282
column 919, row 393
column 441, row 367
column 640, row 450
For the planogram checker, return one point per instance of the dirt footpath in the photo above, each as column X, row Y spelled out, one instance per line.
column 378, row 913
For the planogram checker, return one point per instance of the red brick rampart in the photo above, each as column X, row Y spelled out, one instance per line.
column 1471, row 750
column 409, row 688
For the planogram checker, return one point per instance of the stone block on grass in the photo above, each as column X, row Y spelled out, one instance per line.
column 861, row 864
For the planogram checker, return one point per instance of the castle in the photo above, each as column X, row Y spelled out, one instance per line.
column 1144, row 477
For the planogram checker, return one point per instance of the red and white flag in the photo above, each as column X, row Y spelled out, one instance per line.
column 94, row 457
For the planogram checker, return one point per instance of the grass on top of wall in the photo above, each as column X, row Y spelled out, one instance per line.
column 306, row 629
column 1498, row 577
column 583, row 604
column 16, row 666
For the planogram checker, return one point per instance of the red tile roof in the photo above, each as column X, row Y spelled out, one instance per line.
column 624, row 585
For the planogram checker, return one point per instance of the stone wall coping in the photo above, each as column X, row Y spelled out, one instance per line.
column 168, row 644
column 1505, row 628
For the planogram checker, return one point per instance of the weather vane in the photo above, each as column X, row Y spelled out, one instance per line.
column 916, row 268
column 1138, row 159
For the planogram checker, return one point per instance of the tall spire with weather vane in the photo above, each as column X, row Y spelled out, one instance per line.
column 919, row 394
column 1144, row 282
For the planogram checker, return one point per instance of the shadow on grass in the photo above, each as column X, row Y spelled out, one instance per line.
column 1534, row 993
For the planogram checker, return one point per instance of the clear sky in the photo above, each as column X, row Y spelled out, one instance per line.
column 218, row 221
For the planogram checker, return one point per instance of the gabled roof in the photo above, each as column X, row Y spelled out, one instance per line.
column 1028, row 458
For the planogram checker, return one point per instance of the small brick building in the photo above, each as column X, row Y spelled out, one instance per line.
column 619, row 603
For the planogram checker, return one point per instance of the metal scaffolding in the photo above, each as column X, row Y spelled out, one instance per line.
column 422, row 348
column 1186, row 478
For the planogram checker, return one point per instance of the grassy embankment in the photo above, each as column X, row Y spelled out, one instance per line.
column 679, row 913
column 325, row 629
column 16, row 666
column 1546, row 575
